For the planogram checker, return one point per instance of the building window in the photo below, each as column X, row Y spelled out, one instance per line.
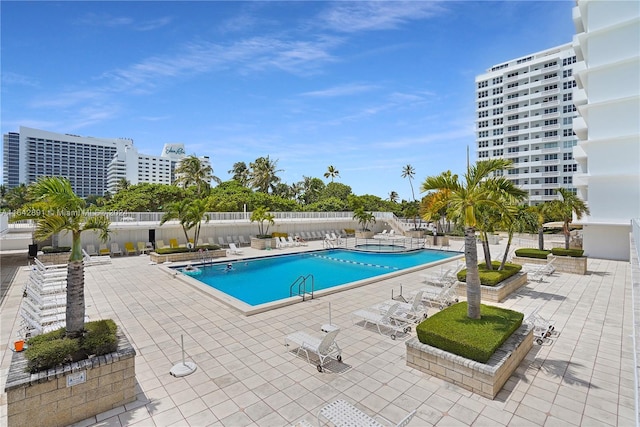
column 569, row 168
column 568, row 108
column 551, row 110
column 550, row 64
column 512, row 139
column 513, row 149
column 550, row 87
column 550, row 133
column 551, row 76
column 497, row 101
column 497, row 132
column 498, row 142
column 567, row 180
column 483, row 104
column 513, row 128
column 567, row 73
column 551, row 156
column 553, row 168
column 482, row 84
column 567, row 97
column 483, row 154
column 497, row 80
column 483, row 124
column 497, row 90
column 497, row 111
column 483, row 134
column 569, row 144
column 512, row 107
column 498, row 152
column 483, row 94
column 567, row 120
column 551, row 180
column 568, row 132
column 497, row 122
column 482, row 114
column 483, row 144
column 567, row 156
column 568, row 61
column 569, row 85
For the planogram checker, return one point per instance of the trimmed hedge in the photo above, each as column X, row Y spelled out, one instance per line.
column 52, row 250
column 168, row 251
column 532, row 253
column 48, row 350
column 567, row 252
column 492, row 277
column 451, row 330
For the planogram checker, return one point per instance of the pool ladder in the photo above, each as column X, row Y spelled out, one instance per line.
column 206, row 257
column 302, row 286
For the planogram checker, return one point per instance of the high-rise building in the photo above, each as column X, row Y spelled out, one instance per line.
column 607, row 46
column 33, row 153
column 524, row 113
column 92, row 165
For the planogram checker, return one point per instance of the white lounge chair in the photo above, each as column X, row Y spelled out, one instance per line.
column 538, row 271
column 233, row 249
column 91, row 250
column 242, row 240
column 142, row 248
column 413, row 311
column 342, row 413
column 324, row 347
column 385, row 320
column 221, row 242
column 95, row 260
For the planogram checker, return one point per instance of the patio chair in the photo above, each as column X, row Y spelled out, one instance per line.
column 160, row 244
column 343, row 413
column 115, row 249
column 91, row 250
column 242, row 240
column 173, row 243
column 104, row 250
column 142, row 248
column 221, row 242
column 385, row 320
column 95, row 260
column 129, row 249
column 440, row 296
column 233, row 249
column 542, row 328
column 323, row 347
column 538, row 271
column 413, row 310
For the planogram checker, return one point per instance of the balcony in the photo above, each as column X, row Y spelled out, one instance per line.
column 547, row 139
column 549, row 127
column 581, row 179
column 552, row 173
column 580, row 128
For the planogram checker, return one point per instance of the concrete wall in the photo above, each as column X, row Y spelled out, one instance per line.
column 606, row 242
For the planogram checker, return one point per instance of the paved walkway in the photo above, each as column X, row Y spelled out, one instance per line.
column 246, row 376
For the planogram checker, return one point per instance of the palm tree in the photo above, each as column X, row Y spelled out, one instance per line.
column 123, row 184
column 479, row 188
column 332, row 173
column 393, row 197
column 190, row 213
column 56, row 208
column 240, row 173
column 541, row 213
column 364, row 218
column 192, row 171
column 409, row 172
column 263, row 175
column 261, row 215
column 517, row 219
column 564, row 209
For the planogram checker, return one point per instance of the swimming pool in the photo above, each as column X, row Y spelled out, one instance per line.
column 267, row 280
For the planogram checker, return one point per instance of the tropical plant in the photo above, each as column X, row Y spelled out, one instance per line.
column 311, row 189
column 123, row 184
column 409, row 172
column 263, row 174
column 541, row 213
column 17, row 197
column 364, row 218
column 240, row 173
column 189, row 213
column 393, row 197
column 565, row 208
column 192, row 171
column 332, row 173
column 56, row 208
column 519, row 219
column 261, row 215
column 462, row 198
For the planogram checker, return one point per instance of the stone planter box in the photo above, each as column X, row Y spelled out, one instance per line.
column 500, row 292
column 72, row 392
column 263, row 243
column 414, row 233
column 57, row 258
column 440, row 240
column 563, row 264
column 364, row 234
column 185, row 256
column 485, row 379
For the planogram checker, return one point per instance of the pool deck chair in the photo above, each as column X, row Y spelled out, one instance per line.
column 115, row 249
column 95, row 260
column 91, row 250
column 343, row 413
column 129, row 249
column 413, row 311
column 538, row 271
column 104, row 250
column 233, row 249
column 325, row 347
column 142, row 248
column 388, row 320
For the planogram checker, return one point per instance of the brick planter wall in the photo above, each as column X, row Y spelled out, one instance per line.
column 46, row 399
column 485, row 379
column 500, row 292
column 185, row 256
column 55, row 258
column 563, row 264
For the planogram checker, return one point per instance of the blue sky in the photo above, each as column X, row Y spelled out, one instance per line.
column 367, row 87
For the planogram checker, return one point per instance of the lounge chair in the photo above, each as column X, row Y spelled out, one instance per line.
column 242, row 240
column 413, row 311
column 45, row 302
column 211, row 241
column 292, row 242
column 342, row 413
column 104, row 250
column 95, row 260
column 91, row 250
column 440, row 296
column 129, row 249
column 282, row 242
column 173, row 243
column 115, row 249
column 142, row 248
column 233, row 249
column 160, row 244
column 221, row 242
column 542, row 328
column 324, row 347
column 385, row 320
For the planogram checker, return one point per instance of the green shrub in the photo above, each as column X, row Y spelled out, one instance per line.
column 532, row 253
column 51, row 349
column 492, row 277
column 567, row 252
column 52, row 250
column 451, row 330
column 51, row 353
column 168, row 251
column 100, row 337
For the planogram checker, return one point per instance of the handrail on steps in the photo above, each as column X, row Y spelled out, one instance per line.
column 302, row 286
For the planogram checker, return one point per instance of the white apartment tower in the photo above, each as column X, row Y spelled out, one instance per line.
column 607, row 45
column 524, row 112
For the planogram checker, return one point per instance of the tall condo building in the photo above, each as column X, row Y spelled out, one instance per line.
column 607, row 45
column 92, row 165
column 524, row 113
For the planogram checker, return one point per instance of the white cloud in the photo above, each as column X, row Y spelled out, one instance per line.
column 9, row 78
column 341, row 90
column 351, row 17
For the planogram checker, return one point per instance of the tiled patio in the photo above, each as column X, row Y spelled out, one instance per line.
column 246, row 376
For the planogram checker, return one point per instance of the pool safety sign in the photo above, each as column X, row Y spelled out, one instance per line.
column 76, row 378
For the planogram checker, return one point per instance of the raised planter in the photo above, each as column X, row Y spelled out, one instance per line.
column 439, row 240
column 414, row 233
column 72, row 392
column 185, row 256
column 54, row 258
column 499, row 292
column 364, row 234
column 485, row 379
column 563, row 264
column 263, row 243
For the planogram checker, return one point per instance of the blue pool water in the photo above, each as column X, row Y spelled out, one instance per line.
column 264, row 280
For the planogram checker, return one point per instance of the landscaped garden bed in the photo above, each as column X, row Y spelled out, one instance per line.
column 495, row 285
column 564, row 260
column 478, row 355
column 182, row 254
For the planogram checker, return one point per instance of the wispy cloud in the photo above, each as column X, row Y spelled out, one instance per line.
column 352, row 17
column 342, row 90
column 9, row 78
column 110, row 21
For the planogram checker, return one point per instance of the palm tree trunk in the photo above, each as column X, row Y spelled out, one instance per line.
column 75, row 299
column 541, row 238
column 506, row 251
column 567, row 237
column 486, row 250
column 473, row 278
